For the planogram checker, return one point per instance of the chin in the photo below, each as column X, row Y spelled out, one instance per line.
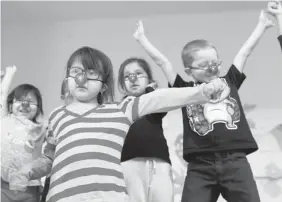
column 136, row 93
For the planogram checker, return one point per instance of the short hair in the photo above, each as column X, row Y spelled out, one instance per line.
column 191, row 47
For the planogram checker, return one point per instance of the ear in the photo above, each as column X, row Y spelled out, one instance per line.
column 188, row 71
column 104, row 88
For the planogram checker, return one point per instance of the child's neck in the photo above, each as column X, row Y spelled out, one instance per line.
column 82, row 107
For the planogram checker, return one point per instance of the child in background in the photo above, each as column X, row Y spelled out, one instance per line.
column 145, row 157
column 85, row 138
column 22, row 135
column 275, row 9
column 217, row 137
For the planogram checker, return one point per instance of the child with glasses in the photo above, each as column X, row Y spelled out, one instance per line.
column 217, row 137
column 22, row 135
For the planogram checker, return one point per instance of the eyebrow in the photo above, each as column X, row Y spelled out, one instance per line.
column 79, row 67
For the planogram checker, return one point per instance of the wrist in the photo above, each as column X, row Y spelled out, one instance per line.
column 141, row 37
column 261, row 26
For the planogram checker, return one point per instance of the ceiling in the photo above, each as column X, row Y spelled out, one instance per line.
column 49, row 11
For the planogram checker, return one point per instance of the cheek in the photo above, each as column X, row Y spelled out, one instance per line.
column 71, row 84
column 13, row 108
column 127, row 85
column 144, row 82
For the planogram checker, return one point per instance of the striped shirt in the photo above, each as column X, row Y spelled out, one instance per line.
column 86, row 164
column 85, row 150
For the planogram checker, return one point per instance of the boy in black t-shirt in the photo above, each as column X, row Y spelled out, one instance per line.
column 217, row 137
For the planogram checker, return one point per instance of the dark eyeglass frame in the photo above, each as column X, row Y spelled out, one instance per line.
column 83, row 71
column 209, row 66
column 30, row 103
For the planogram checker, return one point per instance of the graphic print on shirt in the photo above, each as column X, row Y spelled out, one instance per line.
column 202, row 117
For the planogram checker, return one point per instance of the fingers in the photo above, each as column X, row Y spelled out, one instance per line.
column 214, row 89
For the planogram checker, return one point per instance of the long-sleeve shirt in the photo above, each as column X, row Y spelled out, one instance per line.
column 83, row 151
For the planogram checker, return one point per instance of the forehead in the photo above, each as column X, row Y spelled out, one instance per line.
column 77, row 63
column 133, row 67
column 207, row 54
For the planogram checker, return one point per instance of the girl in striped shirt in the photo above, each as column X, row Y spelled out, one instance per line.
column 85, row 138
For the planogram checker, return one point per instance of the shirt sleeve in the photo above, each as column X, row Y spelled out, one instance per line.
column 129, row 106
column 37, row 168
column 155, row 116
column 235, row 77
column 280, row 40
column 179, row 82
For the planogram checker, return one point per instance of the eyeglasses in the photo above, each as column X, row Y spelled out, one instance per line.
column 26, row 103
column 91, row 74
column 207, row 66
column 133, row 77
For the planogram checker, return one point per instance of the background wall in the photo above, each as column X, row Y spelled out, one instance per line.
column 38, row 37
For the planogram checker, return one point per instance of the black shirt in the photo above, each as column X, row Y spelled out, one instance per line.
column 217, row 127
column 145, row 138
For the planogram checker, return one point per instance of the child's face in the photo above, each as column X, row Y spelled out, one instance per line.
column 26, row 106
column 203, row 59
column 135, row 79
column 84, row 85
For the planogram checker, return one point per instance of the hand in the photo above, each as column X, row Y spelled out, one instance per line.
column 154, row 85
column 274, row 8
column 264, row 21
column 214, row 89
column 18, row 182
column 11, row 69
column 139, row 32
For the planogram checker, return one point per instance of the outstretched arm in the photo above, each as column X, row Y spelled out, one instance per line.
column 154, row 53
column 275, row 8
column 164, row 100
column 5, row 87
column 247, row 48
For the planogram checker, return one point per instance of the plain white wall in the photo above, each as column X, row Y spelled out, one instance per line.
column 41, row 50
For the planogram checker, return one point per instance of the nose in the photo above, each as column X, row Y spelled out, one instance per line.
column 212, row 71
column 25, row 105
column 80, row 79
column 132, row 78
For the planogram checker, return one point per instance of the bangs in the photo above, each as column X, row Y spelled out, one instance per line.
column 22, row 92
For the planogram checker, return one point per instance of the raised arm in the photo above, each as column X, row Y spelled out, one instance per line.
column 275, row 8
column 5, row 87
column 154, row 53
column 35, row 170
column 164, row 100
column 247, row 48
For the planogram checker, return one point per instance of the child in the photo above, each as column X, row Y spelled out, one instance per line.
column 22, row 135
column 86, row 136
column 145, row 157
column 66, row 98
column 275, row 8
column 217, row 137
